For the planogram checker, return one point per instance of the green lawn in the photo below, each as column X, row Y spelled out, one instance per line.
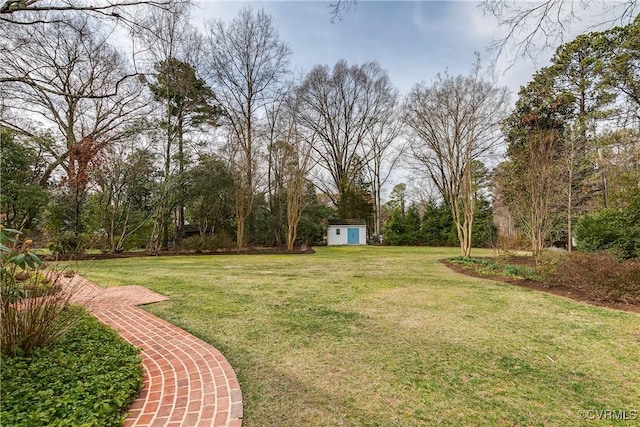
column 384, row 336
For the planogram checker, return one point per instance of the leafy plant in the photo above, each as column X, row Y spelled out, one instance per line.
column 34, row 309
column 88, row 377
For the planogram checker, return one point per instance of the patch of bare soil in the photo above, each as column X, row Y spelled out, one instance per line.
column 564, row 291
column 243, row 251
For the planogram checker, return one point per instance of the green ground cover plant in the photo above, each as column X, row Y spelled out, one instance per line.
column 88, row 377
column 489, row 266
column 389, row 336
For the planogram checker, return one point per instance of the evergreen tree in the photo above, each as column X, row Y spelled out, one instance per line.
column 189, row 103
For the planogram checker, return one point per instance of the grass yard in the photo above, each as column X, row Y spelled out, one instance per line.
column 384, row 336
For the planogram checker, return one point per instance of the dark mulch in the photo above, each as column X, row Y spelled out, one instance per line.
column 244, row 251
column 564, row 291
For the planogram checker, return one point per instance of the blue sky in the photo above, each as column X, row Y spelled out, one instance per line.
column 412, row 40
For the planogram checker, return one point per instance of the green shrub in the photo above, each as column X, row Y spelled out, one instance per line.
column 67, row 242
column 613, row 230
column 88, row 377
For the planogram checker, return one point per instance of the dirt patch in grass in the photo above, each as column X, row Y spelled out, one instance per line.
column 573, row 292
column 262, row 250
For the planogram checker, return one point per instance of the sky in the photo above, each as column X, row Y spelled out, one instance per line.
column 412, row 40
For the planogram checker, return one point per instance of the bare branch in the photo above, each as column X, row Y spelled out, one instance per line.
column 533, row 27
column 32, row 12
column 338, row 7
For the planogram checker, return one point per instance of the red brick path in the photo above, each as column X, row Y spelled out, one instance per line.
column 187, row 382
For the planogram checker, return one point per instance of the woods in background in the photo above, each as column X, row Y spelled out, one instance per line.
column 202, row 140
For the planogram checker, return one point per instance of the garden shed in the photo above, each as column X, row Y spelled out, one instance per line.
column 346, row 232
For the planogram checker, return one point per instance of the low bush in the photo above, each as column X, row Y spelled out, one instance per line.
column 86, row 378
column 505, row 242
column 208, row 242
column 600, row 276
column 548, row 262
column 34, row 310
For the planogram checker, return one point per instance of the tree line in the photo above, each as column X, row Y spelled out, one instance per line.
column 573, row 147
column 204, row 139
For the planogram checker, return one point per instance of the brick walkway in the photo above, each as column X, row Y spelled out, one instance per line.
column 187, row 382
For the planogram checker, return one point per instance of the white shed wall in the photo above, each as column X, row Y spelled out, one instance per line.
column 334, row 239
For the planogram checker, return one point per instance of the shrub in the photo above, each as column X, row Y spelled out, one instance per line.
column 600, row 276
column 208, row 242
column 88, row 377
column 613, row 230
column 548, row 262
column 67, row 242
column 508, row 243
column 34, row 310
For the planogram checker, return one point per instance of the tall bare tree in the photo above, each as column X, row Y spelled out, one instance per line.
column 455, row 121
column 276, row 133
column 78, row 85
column 342, row 107
column 297, row 148
column 246, row 65
column 384, row 151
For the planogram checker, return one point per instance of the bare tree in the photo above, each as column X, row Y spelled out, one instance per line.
column 534, row 176
column 125, row 181
column 532, row 186
column 165, row 34
column 277, row 133
column 535, row 26
column 342, row 108
column 246, row 65
column 383, row 154
column 32, row 12
column 297, row 148
column 455, row 121
column 78, row 85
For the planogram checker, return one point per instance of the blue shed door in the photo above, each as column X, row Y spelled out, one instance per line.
column 353, row 236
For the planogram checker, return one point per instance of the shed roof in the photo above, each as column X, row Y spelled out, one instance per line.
column 347, row 222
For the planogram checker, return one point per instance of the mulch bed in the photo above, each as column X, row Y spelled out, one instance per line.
column 564, row 291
